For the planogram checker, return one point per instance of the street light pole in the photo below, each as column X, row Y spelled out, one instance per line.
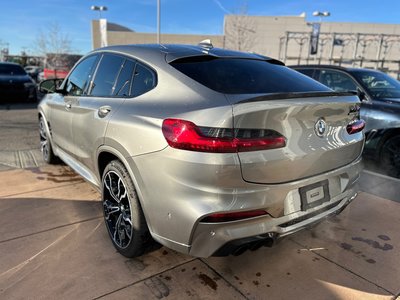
column 102, row 25
column 158, row 21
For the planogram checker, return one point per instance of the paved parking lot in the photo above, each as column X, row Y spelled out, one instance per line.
column 54, row 245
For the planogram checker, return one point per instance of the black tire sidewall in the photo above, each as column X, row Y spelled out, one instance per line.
column 385, row 160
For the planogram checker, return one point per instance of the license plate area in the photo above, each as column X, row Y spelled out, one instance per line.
column 314, row 194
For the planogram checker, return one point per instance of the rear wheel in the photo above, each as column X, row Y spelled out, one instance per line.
column 390, row 156
column 123, row 214
column 45, row 145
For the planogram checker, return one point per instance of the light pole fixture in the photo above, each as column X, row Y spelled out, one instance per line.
column 321, row 14
column 99, row 9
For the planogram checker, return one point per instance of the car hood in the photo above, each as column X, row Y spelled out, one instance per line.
column 15, row 79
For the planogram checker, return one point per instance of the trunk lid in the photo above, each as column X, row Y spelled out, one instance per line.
column 295, row 117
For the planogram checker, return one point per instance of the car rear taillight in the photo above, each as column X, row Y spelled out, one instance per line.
column 355, row 126
column 233, row 216
column 186, row 135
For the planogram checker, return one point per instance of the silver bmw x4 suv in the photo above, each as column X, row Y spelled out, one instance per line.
column 208, row 151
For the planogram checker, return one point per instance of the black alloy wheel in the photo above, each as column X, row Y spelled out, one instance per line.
column 123, row 215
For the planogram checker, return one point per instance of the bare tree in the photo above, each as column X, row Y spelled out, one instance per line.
column 54, row 45
column 239, row 30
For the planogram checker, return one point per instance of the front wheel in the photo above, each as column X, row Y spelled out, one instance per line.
column 123, row 214
column 45, row 144
column 390, row 156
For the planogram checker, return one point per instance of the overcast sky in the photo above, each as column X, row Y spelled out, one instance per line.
column 22, row 20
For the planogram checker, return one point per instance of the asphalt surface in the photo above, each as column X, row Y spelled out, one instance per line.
column 19, row 147
column 19, row 127
column 54, row 245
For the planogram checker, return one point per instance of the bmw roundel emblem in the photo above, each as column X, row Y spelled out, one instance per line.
column 320, row 127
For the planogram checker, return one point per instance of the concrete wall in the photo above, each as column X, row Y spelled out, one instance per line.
column 131, row 37
column 266, row 35
column 268, row 30
column 364, row 44
column 263, row 32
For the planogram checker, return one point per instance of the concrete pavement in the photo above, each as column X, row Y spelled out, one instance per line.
column 19, row 147
column 54, row 245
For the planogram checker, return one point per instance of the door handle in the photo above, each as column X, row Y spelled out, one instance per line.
column 68, row 106
column 104, row 111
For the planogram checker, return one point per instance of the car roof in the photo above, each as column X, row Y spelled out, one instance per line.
column 10, row 64
column 173, row 52
column 346, row 69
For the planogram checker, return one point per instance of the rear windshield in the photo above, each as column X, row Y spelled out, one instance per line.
column 246, row 76
column 11, row 70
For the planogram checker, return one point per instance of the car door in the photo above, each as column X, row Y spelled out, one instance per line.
column 379, row 107
column 108, row 89
column 75, row 86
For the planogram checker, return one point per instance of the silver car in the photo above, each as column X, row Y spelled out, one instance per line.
column 208, row 151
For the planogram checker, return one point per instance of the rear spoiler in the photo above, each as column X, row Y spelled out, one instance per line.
column 279, row 96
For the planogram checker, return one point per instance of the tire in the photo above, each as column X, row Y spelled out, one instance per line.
column 45, row 144
column 390, row 156
column 34, row 98
column 123, row 215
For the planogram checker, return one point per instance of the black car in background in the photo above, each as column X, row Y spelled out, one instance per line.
column 380, row 107
column 15, row 84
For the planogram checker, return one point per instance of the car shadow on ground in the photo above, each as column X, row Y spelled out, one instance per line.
column 374, row 166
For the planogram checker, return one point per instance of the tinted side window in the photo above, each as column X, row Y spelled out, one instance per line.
column 337, row 81
column 143, row 80
column 124, row 80
column 378, row 85
column 6, row 69
column 80, row 77
column 245, row 76
column 308, row 72
column 106, row 74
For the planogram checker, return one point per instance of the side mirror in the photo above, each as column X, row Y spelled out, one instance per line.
column 50, row 86
column 362, row 96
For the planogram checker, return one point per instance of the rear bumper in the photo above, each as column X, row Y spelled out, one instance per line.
column 20, row 94
column 210, row 239
column 178, row 189
column 238, row 246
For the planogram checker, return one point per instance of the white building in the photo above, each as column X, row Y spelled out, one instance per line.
column 287, row 38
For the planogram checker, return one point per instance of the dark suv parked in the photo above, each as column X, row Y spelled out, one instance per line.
column 15, row 84
column 380, row 107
